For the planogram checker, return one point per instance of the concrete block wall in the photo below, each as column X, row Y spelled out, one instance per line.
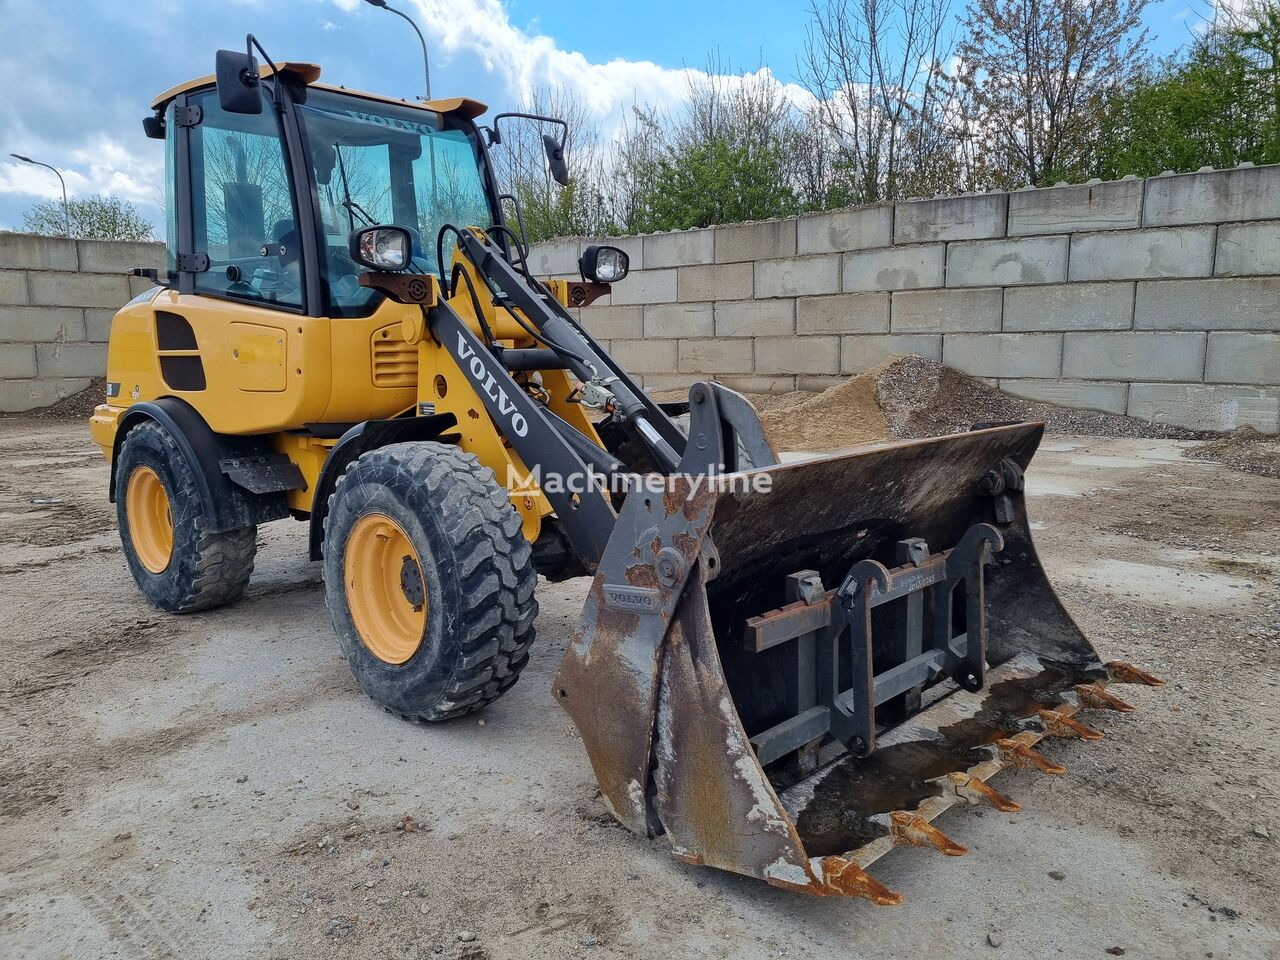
column 57, row 298
column 1159, row 298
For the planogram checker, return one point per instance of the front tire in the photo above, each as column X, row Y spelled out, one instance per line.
column 179, row 566
column 429, row 580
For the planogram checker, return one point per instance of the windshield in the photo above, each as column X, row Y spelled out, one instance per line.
column 379, row 163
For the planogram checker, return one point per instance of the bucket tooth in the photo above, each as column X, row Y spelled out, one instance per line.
column 1060, row 725
column 1017, row 754
column 915, row 830
column 973, row 790
column 1094, row 696
column 1123, row 672
column 846, row 877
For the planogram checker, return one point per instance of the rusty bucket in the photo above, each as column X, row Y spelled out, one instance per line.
column 791, row 671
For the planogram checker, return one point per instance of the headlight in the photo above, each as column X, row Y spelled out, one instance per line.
column 600, row 264
column 381, row 248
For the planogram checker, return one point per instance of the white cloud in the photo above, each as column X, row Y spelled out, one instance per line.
column 527, row 61
column 478, row 34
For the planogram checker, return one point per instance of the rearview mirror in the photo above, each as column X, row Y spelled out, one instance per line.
column 237, row 78
column 555, row 159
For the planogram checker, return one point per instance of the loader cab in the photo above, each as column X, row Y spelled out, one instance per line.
column 262, row 203
column 263, row 325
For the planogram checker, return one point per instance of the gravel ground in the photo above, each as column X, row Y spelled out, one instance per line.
column 215, row 785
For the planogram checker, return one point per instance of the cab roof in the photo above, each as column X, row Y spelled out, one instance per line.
column 309, row 74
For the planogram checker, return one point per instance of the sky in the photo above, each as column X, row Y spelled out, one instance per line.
column 78, row 75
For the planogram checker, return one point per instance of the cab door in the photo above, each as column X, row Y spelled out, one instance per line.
column 245, row 261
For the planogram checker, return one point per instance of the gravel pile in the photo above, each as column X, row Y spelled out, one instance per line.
column 908, row 396
column 1246, row 449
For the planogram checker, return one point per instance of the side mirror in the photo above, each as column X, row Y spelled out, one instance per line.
column 555, row 159
column 381, row 248
column 237, row 77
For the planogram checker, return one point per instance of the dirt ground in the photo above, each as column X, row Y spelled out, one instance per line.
column 216, row 785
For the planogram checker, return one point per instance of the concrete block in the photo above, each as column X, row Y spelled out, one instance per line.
column 1133, row 356
column 1069, row 306
column 1091, row 206
column 896, row 268
column 680, row 248
column 97, row 325
column 946, row 311
column 115, row 256
column 756, row 318
column 140, row 285
column 645, row 356
column 1083, row 394
column 1004, row 354
column 816, row 384
column 843, row 313
column 658, row 382
column 983, row 263
column 18, row 396
column 555, row 257
column 26, row 251
column 1251, row 193
column 614, row 323
column 679, row 320
column 805, row 276
column 1236, row 304
column 1143, row 254
column 715, row 356
column 976, row 217
column 19, row 324
column 79, row 289
column 56, row 360
column 1243, row 358
column 750, row 383
column 808, row 355
column 715, row 281
column 843, row 230
column 766, row 240
column 645, row 286
column 1207, row 406
column 1245, row 248
column 13, row 288
column 861, row 352
column 17, row 360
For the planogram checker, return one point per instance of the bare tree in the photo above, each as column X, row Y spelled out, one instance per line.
column 1037, row 70
column 874, row 66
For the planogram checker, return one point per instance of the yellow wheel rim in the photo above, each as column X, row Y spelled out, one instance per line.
column 386, row 591
column 146, row 505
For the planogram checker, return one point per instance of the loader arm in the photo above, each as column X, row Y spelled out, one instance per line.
column 584, row 473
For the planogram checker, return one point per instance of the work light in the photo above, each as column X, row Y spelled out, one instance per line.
column 381, row 248
column 601, row 264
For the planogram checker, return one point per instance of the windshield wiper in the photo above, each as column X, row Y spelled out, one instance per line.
column 352, row 205
column 347, row 202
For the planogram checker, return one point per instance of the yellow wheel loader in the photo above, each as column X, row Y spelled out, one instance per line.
column 788, row 669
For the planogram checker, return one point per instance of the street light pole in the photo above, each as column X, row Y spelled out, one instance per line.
column 426, row 64
column 66, row 210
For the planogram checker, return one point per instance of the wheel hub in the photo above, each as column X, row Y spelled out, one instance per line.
column 385, row 589
column 411, row 581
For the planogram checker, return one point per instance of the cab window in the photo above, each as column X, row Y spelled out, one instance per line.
column 242, row 206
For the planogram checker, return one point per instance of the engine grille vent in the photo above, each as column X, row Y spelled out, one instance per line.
column 395, row 363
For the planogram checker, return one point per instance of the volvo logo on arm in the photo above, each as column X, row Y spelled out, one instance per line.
column 485, row 381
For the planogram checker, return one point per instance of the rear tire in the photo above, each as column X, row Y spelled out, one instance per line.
column 163, row 520
column 429, row 580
